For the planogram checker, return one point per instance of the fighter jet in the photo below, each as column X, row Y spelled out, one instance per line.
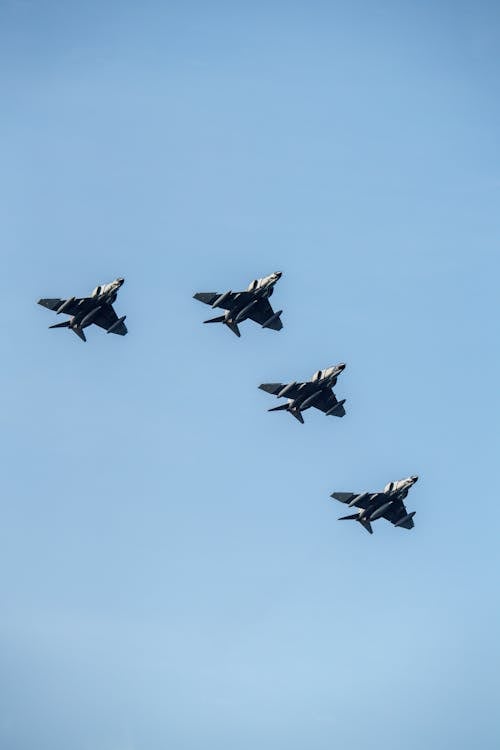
column 252, row 303
column 386, row 504
column 316, row 392
column 98, row 309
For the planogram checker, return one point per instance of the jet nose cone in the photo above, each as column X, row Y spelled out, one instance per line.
column 278, row 274
column 341, row 366
column 414, row 478
column 120, row 281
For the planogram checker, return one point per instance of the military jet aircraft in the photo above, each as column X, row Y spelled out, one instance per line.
column 316, row 392
column 386, row 504
column 252, row 303
column 98, row 309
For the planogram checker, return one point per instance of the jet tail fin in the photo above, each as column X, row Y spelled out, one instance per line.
column 294, row 412
column 79, row 332
column 363, row 521
column 67, row 324
column 222, row 319
column 234, row 328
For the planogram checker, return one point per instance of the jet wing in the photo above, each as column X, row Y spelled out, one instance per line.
column 326, row 402
column 107, row 318
column 74, row 306
column 396, row 512
column 261, row 312
column 365, row 498
column 273, row 388
column 208, row 298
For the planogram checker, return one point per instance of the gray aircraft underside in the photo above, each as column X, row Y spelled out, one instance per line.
column 386, row 504
column 98, row 309
column 253, row 304
column 317, row 392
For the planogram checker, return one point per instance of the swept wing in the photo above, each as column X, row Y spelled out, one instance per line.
column 227, row 302
column 364, row 499
column 397, row 512
column 108, row 318
column 262, row 312
column 72, row 306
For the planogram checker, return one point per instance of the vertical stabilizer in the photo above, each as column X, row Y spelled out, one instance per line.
column 363, row 521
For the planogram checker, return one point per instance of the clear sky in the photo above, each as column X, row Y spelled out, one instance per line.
column 172, row 571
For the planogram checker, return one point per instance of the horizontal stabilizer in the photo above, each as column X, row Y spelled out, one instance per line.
column 79, row 332
column 363, row 521
column 230, row 324
column 281, row 407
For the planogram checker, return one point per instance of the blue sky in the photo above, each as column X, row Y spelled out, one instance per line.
column 173, row 573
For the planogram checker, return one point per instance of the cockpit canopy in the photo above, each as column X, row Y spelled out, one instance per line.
column 400, row 484
column 112, row 287
column 321, row 374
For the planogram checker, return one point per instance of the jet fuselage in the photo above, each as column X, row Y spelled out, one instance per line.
column 104, row 294
column 107, row 292
column 392, row 492
column 399, row 490
column 323, row 380
column 260, row 289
